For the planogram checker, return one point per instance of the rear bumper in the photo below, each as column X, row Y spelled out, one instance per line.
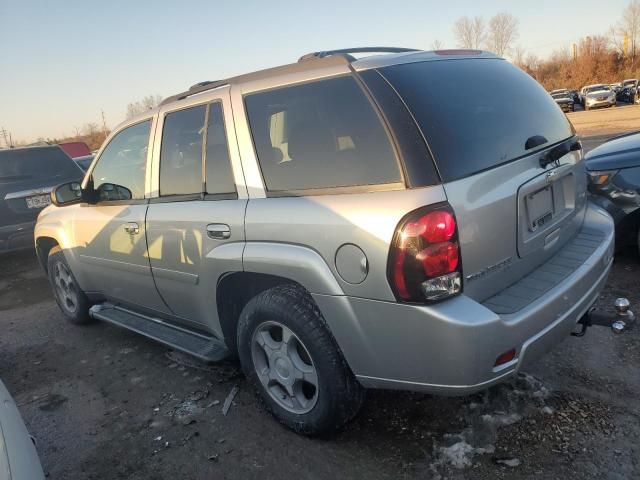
column 16, row 237
column 451, row 347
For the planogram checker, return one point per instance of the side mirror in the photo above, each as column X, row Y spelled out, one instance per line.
column 112, row 192
column 66, row 194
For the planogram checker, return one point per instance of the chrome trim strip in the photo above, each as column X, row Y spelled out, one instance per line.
column 28, row 193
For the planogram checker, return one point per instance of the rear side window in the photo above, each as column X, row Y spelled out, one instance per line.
column 181, row 152
column 48, row 163
column 477, row 114
column 320, row 135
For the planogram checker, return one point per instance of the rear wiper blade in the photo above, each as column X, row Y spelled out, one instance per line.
column 556, row 153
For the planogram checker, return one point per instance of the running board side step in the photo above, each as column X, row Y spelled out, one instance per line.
column 206, row 348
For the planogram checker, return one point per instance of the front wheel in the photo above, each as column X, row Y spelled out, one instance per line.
column 289, row 355
column 70, row 298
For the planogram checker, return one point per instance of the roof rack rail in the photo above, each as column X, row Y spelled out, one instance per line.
column 202, row 84
column 346, row 52
column 193, row 89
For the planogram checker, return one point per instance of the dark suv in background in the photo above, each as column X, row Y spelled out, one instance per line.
column 27, row 176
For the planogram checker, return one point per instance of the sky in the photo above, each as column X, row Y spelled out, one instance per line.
column 64, row 62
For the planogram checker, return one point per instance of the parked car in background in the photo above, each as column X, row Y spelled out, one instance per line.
column 628, row 90
column 18, row 457
column 332, row 251
column 599, row 95
column 84, row 162
column 564, row 100
column 614, row 181
column 27, row 176
column 75, row 149
column 575, row 96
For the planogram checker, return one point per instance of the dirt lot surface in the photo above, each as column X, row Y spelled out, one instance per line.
column 104, row 403
column 606, row 121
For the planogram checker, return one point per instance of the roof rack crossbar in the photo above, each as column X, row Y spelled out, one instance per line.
column 197, row 88
column 346, row 52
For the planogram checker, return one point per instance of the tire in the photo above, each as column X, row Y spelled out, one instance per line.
column 284, row 321
column 72, row 301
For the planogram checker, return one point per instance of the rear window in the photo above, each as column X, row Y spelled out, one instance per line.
column 477, row 114
column 322, row 134
column 36, row 163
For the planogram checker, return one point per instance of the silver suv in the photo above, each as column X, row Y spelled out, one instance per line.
column 340, row 224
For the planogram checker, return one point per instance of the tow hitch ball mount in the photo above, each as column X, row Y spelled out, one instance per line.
column 620, row 321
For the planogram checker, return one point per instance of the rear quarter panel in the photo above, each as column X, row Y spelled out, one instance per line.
column 324, row 223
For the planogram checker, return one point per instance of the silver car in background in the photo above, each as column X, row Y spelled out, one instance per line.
column 599, row 95
column 340, row 224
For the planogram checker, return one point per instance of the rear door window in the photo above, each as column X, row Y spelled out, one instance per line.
column 181, row 152
column 318, row 135
column 477, row 113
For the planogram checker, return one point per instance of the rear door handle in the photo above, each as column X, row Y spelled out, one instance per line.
column 218, row 231
column 132, row 228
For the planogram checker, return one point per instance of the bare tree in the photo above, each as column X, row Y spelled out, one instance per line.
column 532, row 62
column 437, row 45
column 628, row 26
column 503, row 31
column 470, row 32
column 519, row 56
column 147, row 103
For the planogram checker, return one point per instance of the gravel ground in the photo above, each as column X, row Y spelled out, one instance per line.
column 106, row 403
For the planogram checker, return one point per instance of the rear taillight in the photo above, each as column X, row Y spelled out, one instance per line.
column 424, row 261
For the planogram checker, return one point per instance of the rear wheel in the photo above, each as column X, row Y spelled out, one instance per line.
column 70, row 298
column 288, row 354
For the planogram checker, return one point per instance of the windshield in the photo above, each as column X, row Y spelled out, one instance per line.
column 35, row 163
column 627, row 83
column 560, row 95
column 598, row 88
column 475, row 126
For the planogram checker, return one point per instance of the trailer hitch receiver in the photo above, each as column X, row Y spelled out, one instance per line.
column 619, row 321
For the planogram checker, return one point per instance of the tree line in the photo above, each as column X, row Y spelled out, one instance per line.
column 605, row 58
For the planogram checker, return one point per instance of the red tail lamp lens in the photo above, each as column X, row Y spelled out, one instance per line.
column 439, row 259
column 424, row 252
column 434, row 227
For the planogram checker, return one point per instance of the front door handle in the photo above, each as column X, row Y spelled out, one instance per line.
column 132, row 228
column 218, row 231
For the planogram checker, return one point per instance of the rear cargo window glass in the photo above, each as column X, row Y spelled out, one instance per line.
column 320, row 135
column 477, row 114
column 36, row 163
column 181, row 153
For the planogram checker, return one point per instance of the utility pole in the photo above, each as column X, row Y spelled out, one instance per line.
column 104, row 124
column 574, row 48
column 625, row 44
column 5, row 134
